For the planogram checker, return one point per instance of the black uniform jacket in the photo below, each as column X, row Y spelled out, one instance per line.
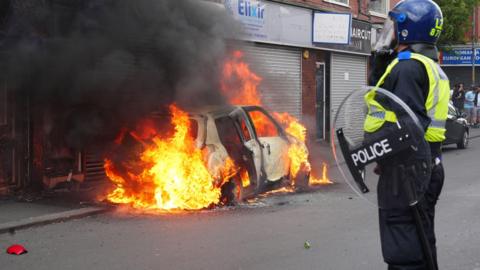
column 409, row 81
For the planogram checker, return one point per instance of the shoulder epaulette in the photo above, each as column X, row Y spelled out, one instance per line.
column 405, row 55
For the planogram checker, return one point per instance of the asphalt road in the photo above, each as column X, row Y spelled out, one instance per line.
column 268, row 234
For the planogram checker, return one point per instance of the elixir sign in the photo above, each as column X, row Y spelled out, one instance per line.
column 251, row 9
column 267, row 21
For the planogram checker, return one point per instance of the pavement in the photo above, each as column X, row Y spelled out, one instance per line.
column 20, row 211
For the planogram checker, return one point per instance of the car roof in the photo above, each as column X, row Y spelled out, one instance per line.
column 217, row 110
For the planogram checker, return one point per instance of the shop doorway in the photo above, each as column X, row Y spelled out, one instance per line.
column 320, row 104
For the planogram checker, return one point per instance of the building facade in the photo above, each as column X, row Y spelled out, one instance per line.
column 310, row 53
column 461, row 62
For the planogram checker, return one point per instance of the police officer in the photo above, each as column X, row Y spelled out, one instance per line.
column 406, row 65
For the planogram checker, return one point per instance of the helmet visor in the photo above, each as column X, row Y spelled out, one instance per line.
column 387, row 36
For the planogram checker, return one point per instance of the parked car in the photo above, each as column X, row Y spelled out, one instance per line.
column 255, row 141
column 458, row 131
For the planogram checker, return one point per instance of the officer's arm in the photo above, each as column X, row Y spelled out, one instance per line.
column 410, row 83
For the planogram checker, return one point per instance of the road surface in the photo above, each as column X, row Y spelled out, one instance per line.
column 270, row 233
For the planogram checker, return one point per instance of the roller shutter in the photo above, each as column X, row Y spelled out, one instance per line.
column 280, row 69
column 348, row 72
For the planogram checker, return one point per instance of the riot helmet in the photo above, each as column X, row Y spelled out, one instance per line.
column 411, row 22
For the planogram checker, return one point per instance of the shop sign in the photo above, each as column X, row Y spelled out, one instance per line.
column 360, row 39
column 459, row 57
column 331, row 28
column 272, row 22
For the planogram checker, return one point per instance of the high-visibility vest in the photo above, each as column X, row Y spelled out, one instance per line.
column 436, row 104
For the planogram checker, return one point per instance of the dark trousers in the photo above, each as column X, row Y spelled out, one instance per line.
column 401, row 246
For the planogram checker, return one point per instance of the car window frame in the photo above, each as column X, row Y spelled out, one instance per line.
column 237, row 132
column 237, row 115
column 247, row 109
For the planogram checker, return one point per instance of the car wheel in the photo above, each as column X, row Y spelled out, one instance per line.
column 302, row 179
column 464, row 142
column 233, row 192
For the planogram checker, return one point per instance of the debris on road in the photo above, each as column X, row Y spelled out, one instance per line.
column 16, row 250
column 306, row 245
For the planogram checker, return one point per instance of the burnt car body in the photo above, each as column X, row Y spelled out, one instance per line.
column 262, row 155
column 457, row 128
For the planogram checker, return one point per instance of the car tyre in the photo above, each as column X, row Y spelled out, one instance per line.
column 302, row 179
column 464, row 142
column 233, row 192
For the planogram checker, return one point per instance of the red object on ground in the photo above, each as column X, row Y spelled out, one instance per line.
column 16, row 250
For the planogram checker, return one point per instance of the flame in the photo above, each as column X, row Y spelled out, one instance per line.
column 169, row 172
column 245, row 178
column 240, row 86
column 321, row 181
column 174, row 174
column 297, row 152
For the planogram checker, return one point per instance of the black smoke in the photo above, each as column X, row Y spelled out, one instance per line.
column 93, row 67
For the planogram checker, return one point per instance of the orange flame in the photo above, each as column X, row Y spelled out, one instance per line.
column 321, row 181
column 170, row 173
column 240, row 86
column 174, row 175
column 245, row 178
column 239, row 83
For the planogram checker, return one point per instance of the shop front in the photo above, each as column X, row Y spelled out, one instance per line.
column 349, row 44
column 457, row 64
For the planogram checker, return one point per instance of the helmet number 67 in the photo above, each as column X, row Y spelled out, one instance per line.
column 435, row 32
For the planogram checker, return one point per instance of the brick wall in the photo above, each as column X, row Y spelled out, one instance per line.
column 468, row 34
column 358, row 8
column 308, row 83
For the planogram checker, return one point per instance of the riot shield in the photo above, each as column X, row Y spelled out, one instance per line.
column 384, row 166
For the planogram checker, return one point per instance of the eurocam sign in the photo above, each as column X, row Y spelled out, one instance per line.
column 271, row 22
column 459, row 57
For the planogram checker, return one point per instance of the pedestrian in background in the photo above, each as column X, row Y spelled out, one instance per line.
column 468, row 106
column 458, row 97
column 476, row 107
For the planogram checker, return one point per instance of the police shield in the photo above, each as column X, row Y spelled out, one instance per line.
column 379, row 147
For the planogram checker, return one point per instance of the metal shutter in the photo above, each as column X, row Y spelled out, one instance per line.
column 461, row 75
column 281, row 72
column 348, row 73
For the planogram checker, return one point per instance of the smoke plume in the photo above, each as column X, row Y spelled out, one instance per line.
column 96, row 66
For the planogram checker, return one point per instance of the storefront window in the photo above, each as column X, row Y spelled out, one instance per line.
column 379, row 6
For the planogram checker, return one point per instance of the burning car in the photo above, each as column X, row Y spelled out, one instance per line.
column 217, row 155
column 256, row 143
column 214, row 155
